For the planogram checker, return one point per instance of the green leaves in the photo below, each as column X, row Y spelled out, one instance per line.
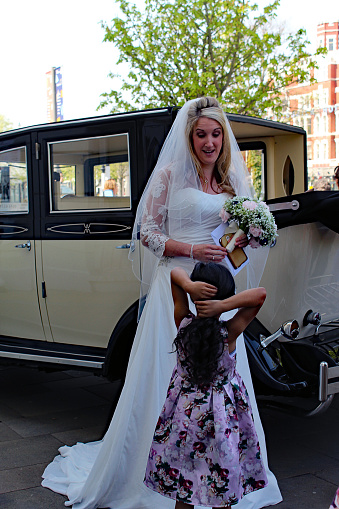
column 5, row 124
column 225, row 48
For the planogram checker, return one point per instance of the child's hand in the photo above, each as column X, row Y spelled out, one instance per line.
column 208, row 308
column 200, row 291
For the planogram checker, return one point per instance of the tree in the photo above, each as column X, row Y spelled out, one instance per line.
column 254, row 165
column 179, row 50
column 5, row 124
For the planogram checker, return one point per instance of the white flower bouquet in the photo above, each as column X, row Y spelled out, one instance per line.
column 252, row 217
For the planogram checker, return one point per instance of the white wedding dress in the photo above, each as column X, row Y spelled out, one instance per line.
column 109, row 473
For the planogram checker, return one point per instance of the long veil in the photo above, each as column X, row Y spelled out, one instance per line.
column 160, row 212
column 109, row 473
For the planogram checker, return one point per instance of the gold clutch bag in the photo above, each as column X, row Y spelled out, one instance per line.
column 238, row 255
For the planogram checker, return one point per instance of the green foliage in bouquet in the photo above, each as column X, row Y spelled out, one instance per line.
column 253, row 217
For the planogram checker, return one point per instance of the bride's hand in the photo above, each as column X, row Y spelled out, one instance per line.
column 242, row 241
column 209, row 253
column 201, row 291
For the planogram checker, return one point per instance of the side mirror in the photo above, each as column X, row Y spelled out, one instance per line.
column 289, row 330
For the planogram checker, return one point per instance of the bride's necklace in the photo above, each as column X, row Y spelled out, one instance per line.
column 205, row 181
column 205, row 184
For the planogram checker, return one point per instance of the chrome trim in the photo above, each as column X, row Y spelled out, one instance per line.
column 87, row 228
column 321, row 408
column 326, row 387
column 53, row 360
column 23, row 246
column 288, row 330
column 20, row 228
column 124, row 246
column 16, row 212
column 71, row 140
column 84, row 211
column 323, row 378
column 290, row 205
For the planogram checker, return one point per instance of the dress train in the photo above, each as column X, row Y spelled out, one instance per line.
column 110, row 472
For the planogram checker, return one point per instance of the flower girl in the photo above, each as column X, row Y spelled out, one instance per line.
column 205, row 450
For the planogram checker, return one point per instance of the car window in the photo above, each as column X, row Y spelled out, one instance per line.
column 254, row 157
column 90, row 174
column 13, row 181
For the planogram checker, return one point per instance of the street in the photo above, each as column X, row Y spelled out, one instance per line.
column 41, row 411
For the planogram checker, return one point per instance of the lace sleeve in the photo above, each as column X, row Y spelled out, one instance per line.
column 153, row 231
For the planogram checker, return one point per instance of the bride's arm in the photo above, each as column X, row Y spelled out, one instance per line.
column 200, row 252
column 153, row 234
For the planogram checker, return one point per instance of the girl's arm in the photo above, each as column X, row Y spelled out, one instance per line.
column 246, row 313
column 247, row 298
column 249, row 303
column 181, row 285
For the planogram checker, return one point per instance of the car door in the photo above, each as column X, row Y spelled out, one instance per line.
column 20, row 313
column 85, row 233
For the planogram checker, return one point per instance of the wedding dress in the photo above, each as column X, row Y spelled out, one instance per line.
column 109, row 473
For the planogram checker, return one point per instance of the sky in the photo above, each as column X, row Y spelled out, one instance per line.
column 36, row 35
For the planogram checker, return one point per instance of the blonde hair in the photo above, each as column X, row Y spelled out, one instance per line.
column 209, row 107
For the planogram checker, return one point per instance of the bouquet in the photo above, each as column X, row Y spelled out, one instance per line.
column 252, row 217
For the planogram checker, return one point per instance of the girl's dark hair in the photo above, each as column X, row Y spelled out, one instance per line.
column 217, row 275
column 202, row 340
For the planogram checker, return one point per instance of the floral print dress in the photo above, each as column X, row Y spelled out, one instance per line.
column 205, row 449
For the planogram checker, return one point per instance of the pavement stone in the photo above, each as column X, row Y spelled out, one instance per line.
column 32, row 498
column 21, row 478
column 86, row 434
column 22, row 452
column 6, row 433
column 56, row 422
column 40, row 411
column 43, row 401
column 305, row 492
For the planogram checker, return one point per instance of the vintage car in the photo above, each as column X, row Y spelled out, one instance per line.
column 68, row 296
column 295, row 338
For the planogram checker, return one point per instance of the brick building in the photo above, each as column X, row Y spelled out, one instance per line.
column 315, row 107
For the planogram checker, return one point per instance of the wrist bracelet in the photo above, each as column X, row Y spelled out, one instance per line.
column 191, row 252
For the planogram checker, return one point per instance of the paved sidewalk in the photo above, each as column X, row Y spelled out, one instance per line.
column 40, row 411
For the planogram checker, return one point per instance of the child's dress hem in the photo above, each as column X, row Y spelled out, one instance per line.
column 205, row 450
column 209, row 505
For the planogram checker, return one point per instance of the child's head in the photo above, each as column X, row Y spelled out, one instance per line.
column 217, row 275
column 202, row 340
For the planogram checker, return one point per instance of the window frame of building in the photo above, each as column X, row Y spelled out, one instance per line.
column 308, row 125
column 309, row 151
column 324, row 150
column 317, row 124
column 317, row 150
column 324, row 123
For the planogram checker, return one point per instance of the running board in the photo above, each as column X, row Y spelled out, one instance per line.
column 48, row 353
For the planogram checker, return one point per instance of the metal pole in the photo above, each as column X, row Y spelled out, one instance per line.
column 323, row 381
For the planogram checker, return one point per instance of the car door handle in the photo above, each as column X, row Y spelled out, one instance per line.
column 23, row 246
column 124, row 246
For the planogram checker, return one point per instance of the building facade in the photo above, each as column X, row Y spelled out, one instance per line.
column 315, row 107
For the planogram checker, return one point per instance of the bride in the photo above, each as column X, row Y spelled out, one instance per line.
column 199, row 166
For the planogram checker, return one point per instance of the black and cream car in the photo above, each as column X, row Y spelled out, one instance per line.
column 68, row 297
